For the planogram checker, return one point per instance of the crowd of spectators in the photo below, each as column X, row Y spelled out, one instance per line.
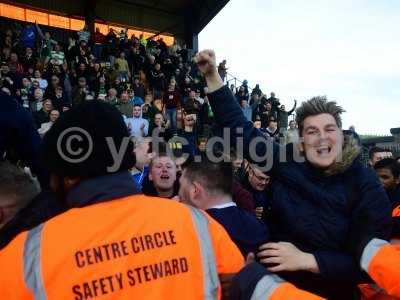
column 158, row 90
column 153, row 85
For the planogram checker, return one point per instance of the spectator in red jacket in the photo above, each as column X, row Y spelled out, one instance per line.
column 172, row 101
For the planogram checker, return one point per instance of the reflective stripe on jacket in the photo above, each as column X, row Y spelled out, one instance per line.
column 133, row 247
column 382, row 262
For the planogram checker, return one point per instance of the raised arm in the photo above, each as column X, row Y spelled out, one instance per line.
column 228, row 114
column 39, row 30
column 294, row 107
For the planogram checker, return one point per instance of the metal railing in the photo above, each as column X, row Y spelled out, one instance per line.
column 231, row 79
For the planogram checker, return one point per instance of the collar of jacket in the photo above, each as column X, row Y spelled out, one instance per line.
column 102, row 189
column 351, row 150
column 394, row 196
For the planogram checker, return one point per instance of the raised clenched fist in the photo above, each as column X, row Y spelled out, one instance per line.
column 206, row 62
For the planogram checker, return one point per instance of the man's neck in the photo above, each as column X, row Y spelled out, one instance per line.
column 188, row 128
column 219, row 200
column 165, row 193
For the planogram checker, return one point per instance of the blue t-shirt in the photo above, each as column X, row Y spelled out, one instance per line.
column 138, row 178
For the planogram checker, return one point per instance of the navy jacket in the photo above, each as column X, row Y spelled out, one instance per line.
column 19, row 136
column 245, row 230
column 319, row 214
column 394, row 197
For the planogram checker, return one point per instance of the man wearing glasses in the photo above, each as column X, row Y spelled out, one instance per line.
column 256, row 183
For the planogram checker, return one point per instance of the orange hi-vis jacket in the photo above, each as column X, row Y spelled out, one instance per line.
column 135, row 247
column 396, row 212
column 272, row 287
column 381, row 261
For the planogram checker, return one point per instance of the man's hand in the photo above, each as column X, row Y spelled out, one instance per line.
column 206, row 62
column 207, row 65
column 286, row 257
column 142, row 126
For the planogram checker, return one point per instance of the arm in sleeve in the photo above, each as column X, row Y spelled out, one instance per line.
column 39, row 30
column 228, row 115
column 28, row 145
column 382, row 262
column 340, row 266
column 146, row 127
column 371, row 216
column 255, row 282
column 292, row 110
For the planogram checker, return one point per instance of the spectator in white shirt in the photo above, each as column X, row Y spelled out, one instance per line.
column 137, row 126
column 54, row 115
column 42, row 82
column 292, row 135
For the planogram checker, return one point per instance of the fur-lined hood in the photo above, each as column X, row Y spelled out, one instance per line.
column 351, row 150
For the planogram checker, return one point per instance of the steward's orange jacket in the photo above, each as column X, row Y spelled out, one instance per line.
column 381, row 261
column 136, row 247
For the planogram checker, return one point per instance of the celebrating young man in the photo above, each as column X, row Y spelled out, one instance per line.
column 325, row 208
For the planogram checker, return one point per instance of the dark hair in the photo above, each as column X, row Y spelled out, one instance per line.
column 17, row 184
column 390, row 164
column 272, row 119
column 215, row 177
column 316, row 106
column 103, row 123
column 376, row 149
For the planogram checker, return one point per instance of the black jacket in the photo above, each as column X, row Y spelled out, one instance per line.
column 316, row 212
column 394, row 197
column 41, row 117
column 19, row 138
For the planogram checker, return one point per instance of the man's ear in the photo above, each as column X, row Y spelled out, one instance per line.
column 198, row 189
column 300, row 146
column 151, row 155
column 150, row 177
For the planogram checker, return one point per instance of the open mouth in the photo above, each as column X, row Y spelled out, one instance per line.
column 164, row 177
column 324, row 150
